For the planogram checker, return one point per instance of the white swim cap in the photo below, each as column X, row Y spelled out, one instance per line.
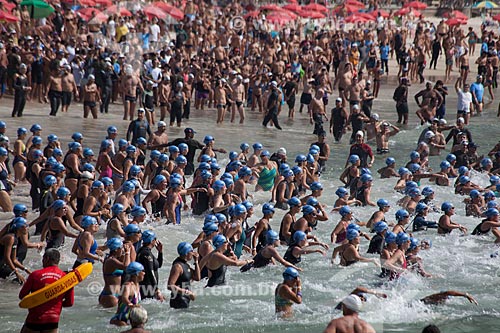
column 353, row 302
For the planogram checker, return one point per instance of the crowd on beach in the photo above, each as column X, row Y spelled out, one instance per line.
column 234, row 65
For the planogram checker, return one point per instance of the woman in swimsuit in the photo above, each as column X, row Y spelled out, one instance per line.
column 174, row 199
column 72, row 163
column 104, row 165
column 114, row 227
column 288, row 292
column 85, row 246
column 445, row 225
column 343, row 199
column 300, row 246
column 288, row 220
column 92, row 206
column 19, row 162
column 126, row 198
column 5, row 183
column 130, row 296
column 396, row 264
column 267, row 171
column 261, row 228
column 217, row 261
column 491, row 223
column 388, row 251
column 112, row 270
column 338, row 234
column 349, row 252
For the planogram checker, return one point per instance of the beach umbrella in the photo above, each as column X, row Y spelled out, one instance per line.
column 402, row 11
column 311, row 14
column 382, row 13
column 252, row 14
column 8, row 5
column 496, row 17
column 87, row 3
column 6, row 17
column 118, row 10
column 98, row 18
column 37, row 8
column 486, row 4
column 278, row 18
column 104, row 2
column 415, row 13
column 456, row 14
column 355, row 3
column 289, row 13
column 175, row 12
column 356, row 18
column 152, row 11
column 453, row 21
column 293, row 7
column 416, row 5
column 315, row 7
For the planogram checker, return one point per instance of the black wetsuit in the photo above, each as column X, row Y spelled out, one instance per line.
column 179, row 300
column 376, row 244
column 218, row 277
column 290, row 257
column 420, row 224
column 478, row 230
column 201, row 201
column 151, row 265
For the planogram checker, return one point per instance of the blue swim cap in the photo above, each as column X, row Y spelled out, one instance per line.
column 117, row 208
column 296, row 170
column 134, row 268
column 173, row 149
column 52, row 138
column 463, row 180
column 174, row 182
column 308, row 209
column 489, row 195
column 163, row 158
column 257, row 146
column 21, row 131
column 265, row 153
column 313, row 151
column 107, row 181
column 218, row 241
column 271, row 237
column 131, row 149
column 299, row 236
column 300, row 158
column 155, row 154
column 248, row 205
column 19, row 209
column 244, row 146
column 381, row 203
column 37, row 154
column 132, row 228
column 293, row 202
column 414, row 167
column 233, row 155
column 105, row 144
column 492, row 204
column 474, row 194
column 244, row 171
column 202, row 165
column 184, row 248
column 239, row 209
column 485, row 162
column 426, row 191
column 214, row 166
column 401, row 214
column 205, row 174
column 316, row 186
column 207, row 139
column 283, row 167
column 181, row 159
column 366, row 171
column 402, row 238
column 310, row 158
column 414, row 192
column 58, row 204
column 148, row 236
column 353, row 226
column 390, row 237
column 494, row 180
column 3, row 124
column 210, row 219
column 128, row 186
column 49, row 180
column 112, row 129
column 341, row 192
column 57, row 152
column 491, row 212
column 290, row 274
column 352, row 234
column 77, row 136
column 414, row 155
column 18, row 223
column 88, row 167
column 209, row 228
column 390, row 161
column 87, row 152
column 62, row 192
column 228, row 182
column 446, row 206
column 353, row 159
column 366, row 178
column 344, row 210
column 312, row 201
column 183, row 147
column 380, row 226
column 87, row 221
column 122, row 143
column 35, row 128
column 141, row 141
column 96, row 184
column 445, row 165
column 218, row 185
column 114, row 244
column 420, row 207
column 36, row 140
column 463, row 170
column 451, row 157
column 3, row 151
column 138, row 211
column 221, row 218
column 413, row 243
column 403, row 171
column 267, row 208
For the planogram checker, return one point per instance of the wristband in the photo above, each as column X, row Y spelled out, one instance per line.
column 299, row 293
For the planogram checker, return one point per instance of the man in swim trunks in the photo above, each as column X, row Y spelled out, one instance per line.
column 350, row 323
column 45, row 317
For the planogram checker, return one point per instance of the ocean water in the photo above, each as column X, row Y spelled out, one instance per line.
column 246, row 304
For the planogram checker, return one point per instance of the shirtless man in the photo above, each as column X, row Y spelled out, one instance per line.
column 221, row 99
column 353, row 92
column 431, row 101
column 91, row 97
column 318, row 112
column 219, row 53
column 54, row 91
column 159, row 139
column 164, row 89
column 239, row 97
column 386, row 131
column 345, row 81
column 464, row 66
column 130, row 82
column 68, row 88
column 306, row 97
column 350, row 322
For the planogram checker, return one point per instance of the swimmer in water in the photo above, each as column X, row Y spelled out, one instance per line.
column 288, row 292
column 350, row 322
